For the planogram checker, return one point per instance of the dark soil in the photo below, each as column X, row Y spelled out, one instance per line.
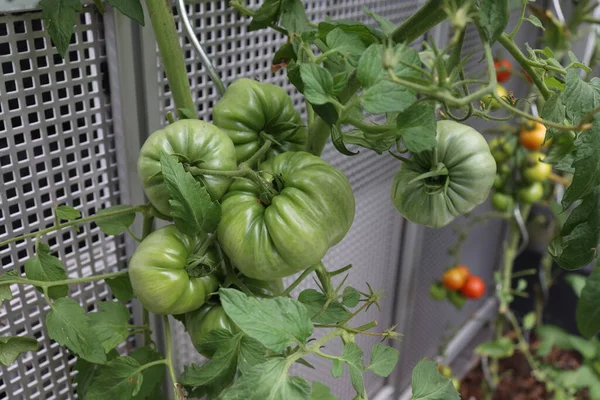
column 517, row 382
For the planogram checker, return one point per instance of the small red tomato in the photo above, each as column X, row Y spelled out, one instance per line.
column 503, row 69
column 474, row 287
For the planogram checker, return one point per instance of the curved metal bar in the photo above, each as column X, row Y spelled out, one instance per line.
column 558, row 10
column 522, row 228
column 212, row 72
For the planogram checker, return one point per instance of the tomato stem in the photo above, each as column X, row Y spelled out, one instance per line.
column 48, row 284
column 428, row 16
column 169, row 351
column 299, row 280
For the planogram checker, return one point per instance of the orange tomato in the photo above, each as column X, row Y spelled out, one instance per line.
column 531, row 135
column 463, row 270
column 473, row 288
column 453, row 279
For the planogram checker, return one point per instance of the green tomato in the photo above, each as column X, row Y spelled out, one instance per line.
column 251, row 112
column 501, row 149
column 502, row 176
column 531, row 194
column 502, row 202
column 197, row 144
column 312, row 210
column 466, row 169
column 201, row 322
column 491, row 102
column 159, row 276
column 535, row 170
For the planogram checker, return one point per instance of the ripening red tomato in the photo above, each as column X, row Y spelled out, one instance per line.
column 474, row 287
column 453, row 279
column 503, row 69
column 463, row 270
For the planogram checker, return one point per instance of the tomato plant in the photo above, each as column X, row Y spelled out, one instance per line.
column 249, row 199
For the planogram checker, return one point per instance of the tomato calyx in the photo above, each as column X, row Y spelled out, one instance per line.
column 435, row 180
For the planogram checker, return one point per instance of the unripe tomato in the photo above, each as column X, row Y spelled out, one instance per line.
column 456, row 383
column 445, row 370
column 531, row 194
column 491, row 102
column 453, row 279
column 531, row 135
column 463, row 270
column 506, row 69
column 502, row 202
column 501, row 149
column 502, row 176
column 474, row 287
column 535, row 170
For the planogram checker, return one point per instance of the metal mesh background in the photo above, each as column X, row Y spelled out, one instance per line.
column 372, row 245
column 56, row 147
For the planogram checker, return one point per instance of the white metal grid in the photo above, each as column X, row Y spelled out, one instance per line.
column 56, row 147
column 372, row 245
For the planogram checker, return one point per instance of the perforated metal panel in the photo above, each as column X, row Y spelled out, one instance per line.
column 372, row 245
column 57, row 146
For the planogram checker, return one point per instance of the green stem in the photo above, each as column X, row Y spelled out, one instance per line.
column 428, row 16
column 340, row 271
column 259, row 153
column 325, row 280
column 147, row 226
column 299, row 280
column 94, row 217
column 47, row 284
column 167, row 38
column 133, row 235
column 169, row 350
column 514, row 50
column 366, row 127
column 520, row 21
column 199, row 171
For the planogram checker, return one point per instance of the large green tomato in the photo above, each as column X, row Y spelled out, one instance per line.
column 465, row 172
column 159, row 276
column 196, row 143
column 251, row 112
column 312, row 211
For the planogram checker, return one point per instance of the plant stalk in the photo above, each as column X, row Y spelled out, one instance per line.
column 428, row 16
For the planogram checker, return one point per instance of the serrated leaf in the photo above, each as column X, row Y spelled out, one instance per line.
column 68, row 325
column 111, row 324
column 583, row 377
column 387, row 96
column 352, row 357
column 119, row 379
column 130, row 8
column 87, row 371
column 535, row 21
column 191, row 206
column 457, row 299
column 315, row 301
column 59, row 17
column 428, row 384
column 5, row 290
column 337, row 368
column 318, row 83
column 269, row 380
column 276, row 323
column 500, row 348
column 267, row 13
column 293, row 16
column 370, row 69
column 153, row 376
column 338, row 141
column 11, row 347
column 252, row 352
column 67, row 213
column 550, row 336
column 45, row 267
column 115, row 224
column 346, row 44
column 350, row 297
column 417, row 127
column 321, row 392
column 367, row 34
column 121, row 288
column 588, row 308
column 493, row 18
column 387, row 26
column 383, row 359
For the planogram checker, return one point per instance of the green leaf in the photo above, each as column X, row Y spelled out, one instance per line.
column 383, row 359
column 583, row 377
column 5, row 291
column 321, row 392
column 267, row 14
column 428, row 384
column 318, row 83
column 370, row 66
column 191, row 206
column 252, row 352
column 186, row 113
column 315, row 301
column 588, row 308
column 11, row 347
column 348, row 45
column 575, row 247
column 493, row 18
column 365, row 33
column 437, row 291
column 293, row 16
column 67, row 213
column 500, row 348
column 457, row 299
column 337, row 368
column 276, row 323
column 580, row 97
column 284, row 54
column 552, row 336
column 387, row 96
column 350, row 297
column 352, row 357
column 387, row 26
column 59, row 18
column 554, row 111
column 67, row 324
column 214, row 339
column 116, row 224
column 111, row 324
column 535, row 21
column 577, row 283
column 119, row 379
column 417, row 126
column 529, row 320
column 45, row 267
column 378, row 145
column 130, row 8
column 121, row 288
column 87, row 371
column 153, row 376
column 269, row 380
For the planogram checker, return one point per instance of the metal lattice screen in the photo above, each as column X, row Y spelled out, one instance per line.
column 372, row 245
column 57, row 146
